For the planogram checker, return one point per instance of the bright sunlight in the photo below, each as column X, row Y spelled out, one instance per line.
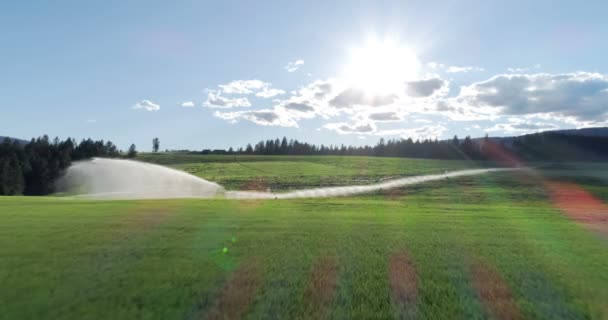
column 381, row 66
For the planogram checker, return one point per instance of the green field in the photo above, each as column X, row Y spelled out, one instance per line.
column 488, row 246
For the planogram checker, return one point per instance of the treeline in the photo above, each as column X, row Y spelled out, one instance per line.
column 544, row 146
column 555, row 146
column 408, row 148
column 32, row 169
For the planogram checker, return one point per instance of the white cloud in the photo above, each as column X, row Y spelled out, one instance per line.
column 146, row 105
column 260, row 88
column 524, row 69
column 356, row 128
column 452, row 69
column 517, row 125
column 579, row 97
column 370, row 128
column 243, row 86
column 436, row 65
column 426, row 87
column 293, row 66
column 456, row 69
column 541, row 100
column 269, row 92
column 358, row 97
column 425, row 132
column 215, row 100
column 385, row 116
column 187, row 104
column 264, row 117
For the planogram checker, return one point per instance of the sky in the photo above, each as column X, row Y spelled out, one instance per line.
column 215, row 74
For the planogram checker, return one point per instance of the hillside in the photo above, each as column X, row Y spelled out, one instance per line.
column 601, row 132
column 21, row 141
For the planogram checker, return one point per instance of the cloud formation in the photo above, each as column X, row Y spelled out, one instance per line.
column 146, row 105
column 260, row 88
column 264, row 117
column 581, row 96
column 516, row 125
column 370, row 128
column 456, row 69
column 355, row 96
column 268, row 92
column 243, row 86
column 523, row 69
column 293, row 66
column 357, row 128
column 188, row 104
column 452, row 69
column 299, row 106
column 387, row 116
column 425, row 87
column 539, row 101
column 215, row 100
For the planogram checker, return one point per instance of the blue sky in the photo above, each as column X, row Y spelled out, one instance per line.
column 121, row 70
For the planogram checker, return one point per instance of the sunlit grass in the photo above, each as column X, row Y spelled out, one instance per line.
column 165, row 259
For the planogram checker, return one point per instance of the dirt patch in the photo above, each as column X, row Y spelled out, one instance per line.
column 404, row 285
column 236, row 296
column 579, row 204
column 151, row 218
column 257, row 184
column 494, row 293
column 146, row 216
column 320, row 291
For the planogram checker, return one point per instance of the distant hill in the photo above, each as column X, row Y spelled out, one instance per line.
column 21, row 141
column 584, row 132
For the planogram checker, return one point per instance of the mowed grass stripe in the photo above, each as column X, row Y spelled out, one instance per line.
column 404, row 286
column 171, row 264
column 65, row 248
column 499, row 235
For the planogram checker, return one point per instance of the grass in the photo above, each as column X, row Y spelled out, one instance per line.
column 303, row 258
column 297, row 172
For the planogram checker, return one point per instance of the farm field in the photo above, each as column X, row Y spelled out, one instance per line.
column 298, row 172
column 508, row 245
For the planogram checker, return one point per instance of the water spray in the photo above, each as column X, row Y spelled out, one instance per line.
column 127, row 179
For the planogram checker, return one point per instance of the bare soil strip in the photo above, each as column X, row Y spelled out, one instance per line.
column 148, row 216
column 579, row 205
column 320, row 291
column 236, row 296
column 494, row 292
column 404, row 285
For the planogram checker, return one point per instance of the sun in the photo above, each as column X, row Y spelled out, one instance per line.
column 381, row 67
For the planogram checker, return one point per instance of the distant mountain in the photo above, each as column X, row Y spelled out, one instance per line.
column 584, row 132
column 20, row 141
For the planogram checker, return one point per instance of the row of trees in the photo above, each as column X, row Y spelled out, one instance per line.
column 32, row 169
column 452, row 149
column 540, row 146
column 560, row 147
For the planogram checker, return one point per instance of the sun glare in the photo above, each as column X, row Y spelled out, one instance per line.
column 381, row 66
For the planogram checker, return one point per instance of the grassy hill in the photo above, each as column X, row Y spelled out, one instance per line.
column 297, row 172
column 502, row 245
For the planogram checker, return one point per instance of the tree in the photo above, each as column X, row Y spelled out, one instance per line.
column 155, row 144
column 132, row 151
